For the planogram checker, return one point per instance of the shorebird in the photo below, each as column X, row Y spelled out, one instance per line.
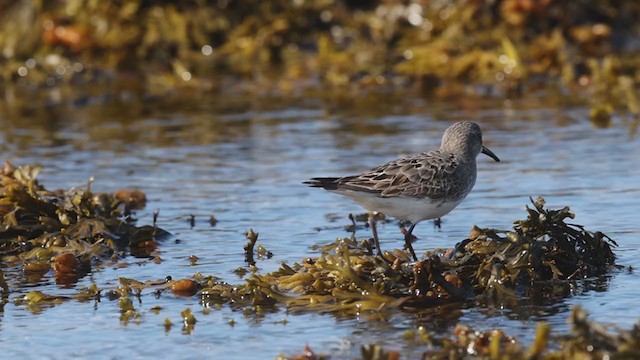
column 418, row 187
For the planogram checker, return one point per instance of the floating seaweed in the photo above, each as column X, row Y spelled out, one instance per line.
column 307, row 354
column 35, row 301
column 252, row 238
column 346, row 278
column 64, row 230
column 587, row 340
column 541, row 248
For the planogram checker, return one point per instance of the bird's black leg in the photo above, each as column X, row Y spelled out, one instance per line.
column 407, row 242
column 353, row 226
column 374, row 231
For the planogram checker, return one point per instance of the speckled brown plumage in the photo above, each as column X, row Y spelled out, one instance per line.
column 434, row 175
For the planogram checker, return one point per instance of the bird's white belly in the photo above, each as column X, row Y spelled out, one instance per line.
column 403, row 208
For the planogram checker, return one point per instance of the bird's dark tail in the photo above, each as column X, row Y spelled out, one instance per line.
column 327, row 183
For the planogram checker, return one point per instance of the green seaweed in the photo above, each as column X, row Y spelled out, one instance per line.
column 36, row 301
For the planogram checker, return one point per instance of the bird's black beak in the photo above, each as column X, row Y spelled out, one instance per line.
column 490, row 154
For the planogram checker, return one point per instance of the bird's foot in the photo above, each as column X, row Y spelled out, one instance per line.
column 353, row 226
column 407, row 237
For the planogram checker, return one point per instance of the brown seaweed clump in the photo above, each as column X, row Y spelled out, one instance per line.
column 65, row 230
column 542, row 247
column 347, row 279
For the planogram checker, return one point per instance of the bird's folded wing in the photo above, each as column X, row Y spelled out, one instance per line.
column 431, row 174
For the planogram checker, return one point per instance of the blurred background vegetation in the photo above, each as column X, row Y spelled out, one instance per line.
column 441, row 47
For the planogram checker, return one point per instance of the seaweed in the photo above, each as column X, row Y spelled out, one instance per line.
column 541, row 248
column 346, row 279
column 65, row 230
column 587, row 340
column 504, row 46
column 492, row 263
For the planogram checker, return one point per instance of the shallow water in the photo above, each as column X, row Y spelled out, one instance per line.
column 243, row 160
